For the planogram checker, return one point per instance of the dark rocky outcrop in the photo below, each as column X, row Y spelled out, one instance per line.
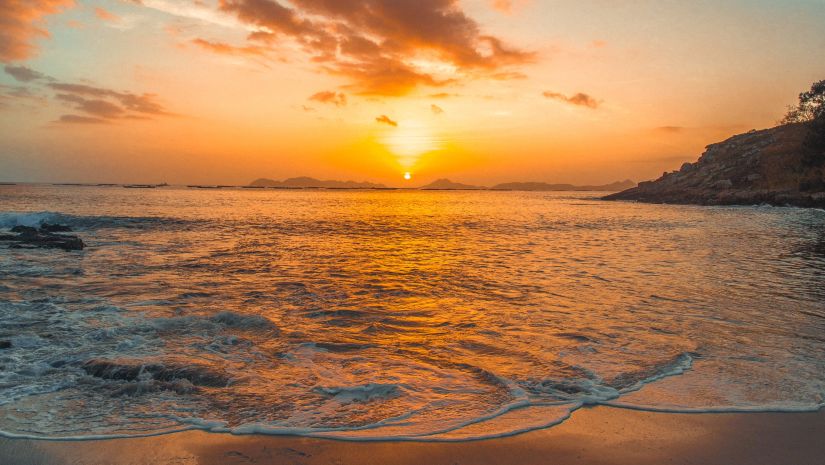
column 758, row 167
column 48, row 236
column 135, row 370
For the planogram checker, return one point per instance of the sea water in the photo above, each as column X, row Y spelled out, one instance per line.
column 399, row 314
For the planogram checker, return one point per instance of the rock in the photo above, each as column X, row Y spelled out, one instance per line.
column 26, row 231
column 754, row 177
column 132, row 370
column 5, row 344
column 46, row 227
column 29, row 237
column 723, row 184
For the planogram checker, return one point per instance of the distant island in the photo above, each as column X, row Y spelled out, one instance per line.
column 304, row 182
column 784, row 165
column 446, row 184
column 543, row 186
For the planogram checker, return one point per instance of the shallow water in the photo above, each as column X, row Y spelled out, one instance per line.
column 399, row 314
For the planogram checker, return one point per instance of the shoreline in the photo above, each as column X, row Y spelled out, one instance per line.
column 592, row 435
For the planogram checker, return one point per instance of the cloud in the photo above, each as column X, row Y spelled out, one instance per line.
column 77, row 119
column 507, row 6
column 579, row 99
column 226, row 49
column 379, row 45
column 105, row 15
column 436, row 109
column 23, row 74
column 105, row 105
column 384, row 119
column 508, row 76
column 17, row 95
column 442, row 95
column 19, row 26
column 330, row 97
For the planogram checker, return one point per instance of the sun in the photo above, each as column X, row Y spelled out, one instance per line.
column 407, row 176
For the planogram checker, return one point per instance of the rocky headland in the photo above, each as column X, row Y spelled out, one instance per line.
column 771, row 166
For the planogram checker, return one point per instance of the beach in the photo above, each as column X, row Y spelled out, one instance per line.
column 593, row 436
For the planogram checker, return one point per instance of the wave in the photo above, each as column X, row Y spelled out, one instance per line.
column 35, row 219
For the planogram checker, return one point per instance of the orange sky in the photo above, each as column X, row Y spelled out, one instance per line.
column 480, row 91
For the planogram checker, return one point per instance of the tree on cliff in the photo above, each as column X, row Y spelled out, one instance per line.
column 811, row 111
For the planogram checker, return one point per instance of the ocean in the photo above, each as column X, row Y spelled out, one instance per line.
column 403, row 315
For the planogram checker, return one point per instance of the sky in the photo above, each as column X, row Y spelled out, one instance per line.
column 478, row 91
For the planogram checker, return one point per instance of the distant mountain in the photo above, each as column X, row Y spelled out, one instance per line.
column 304, row 182
column 446, row 184
column 543, row 186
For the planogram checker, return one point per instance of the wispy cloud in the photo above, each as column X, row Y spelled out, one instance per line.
column 20, row 26
column 578, row 99
column 384, row 119
column 436, row 109
column 23, row 73
column 329, row 97
column 226, row 49
column 99, row 104
column 106, row 15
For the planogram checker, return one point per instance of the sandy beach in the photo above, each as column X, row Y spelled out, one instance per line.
column 594, row 436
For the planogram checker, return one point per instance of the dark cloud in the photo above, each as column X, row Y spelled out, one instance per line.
column 329, row 97
column 579, row 99
column 96, row 107
column 384, row 119
column 23, row 74
column 20, row 26
column 77, row 119
column 373, row 42
column 99, row 104
column 436, row 109
column 144, row 104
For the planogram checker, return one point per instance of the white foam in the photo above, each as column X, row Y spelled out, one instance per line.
column 32, row 219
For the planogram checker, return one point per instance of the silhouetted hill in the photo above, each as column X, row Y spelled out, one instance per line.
column 446, row 184
column 754, row 168
column 543, row 186
column 304, row 182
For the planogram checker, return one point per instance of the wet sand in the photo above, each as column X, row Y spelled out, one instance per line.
column 593, row 436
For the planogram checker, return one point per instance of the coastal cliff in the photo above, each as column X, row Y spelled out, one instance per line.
column 758, row 167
